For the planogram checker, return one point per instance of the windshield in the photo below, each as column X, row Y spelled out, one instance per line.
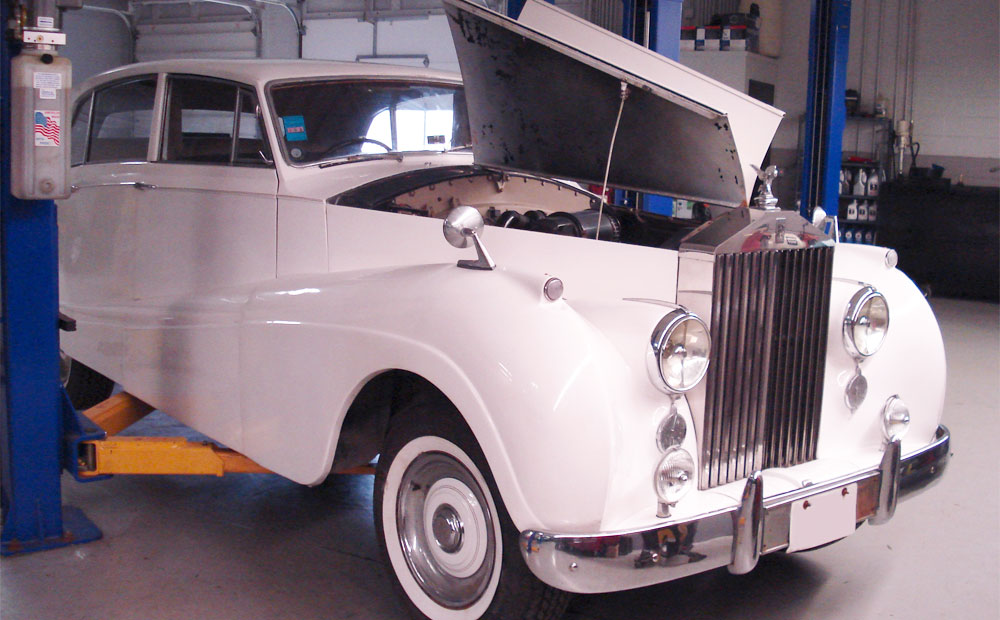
column 327, row 120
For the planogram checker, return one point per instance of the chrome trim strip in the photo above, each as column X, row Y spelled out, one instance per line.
column 614, row 561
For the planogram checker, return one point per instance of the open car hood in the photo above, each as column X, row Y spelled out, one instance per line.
column 544, row 93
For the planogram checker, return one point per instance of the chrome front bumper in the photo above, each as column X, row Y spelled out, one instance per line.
column 734, row 537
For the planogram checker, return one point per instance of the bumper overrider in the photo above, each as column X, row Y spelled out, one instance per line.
column 734, row 537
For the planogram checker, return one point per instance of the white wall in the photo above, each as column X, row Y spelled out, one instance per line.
column 346, row 39
column 95, row 42
column 956, row 83
column 280, row 37
column 953, row 95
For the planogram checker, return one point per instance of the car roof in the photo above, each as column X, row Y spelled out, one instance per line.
column 260, row 72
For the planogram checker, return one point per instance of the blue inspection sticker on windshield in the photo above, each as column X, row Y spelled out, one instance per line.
column 295, row 128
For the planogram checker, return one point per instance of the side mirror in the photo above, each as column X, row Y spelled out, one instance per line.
column 462, row 225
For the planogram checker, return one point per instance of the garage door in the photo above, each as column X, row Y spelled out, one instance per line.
column 229, row 39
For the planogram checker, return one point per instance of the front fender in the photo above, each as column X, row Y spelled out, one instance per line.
column 540, row 412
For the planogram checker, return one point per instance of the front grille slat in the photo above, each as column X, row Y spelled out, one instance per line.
column 764, row 388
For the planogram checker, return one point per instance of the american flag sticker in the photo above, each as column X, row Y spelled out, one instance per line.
column 47, row 127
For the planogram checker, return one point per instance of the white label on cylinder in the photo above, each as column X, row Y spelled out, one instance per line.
column 47, row 93
column 46, row 22
column 48, row 80
column 47, row 127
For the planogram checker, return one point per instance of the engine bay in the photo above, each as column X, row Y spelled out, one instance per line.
column 519, row 201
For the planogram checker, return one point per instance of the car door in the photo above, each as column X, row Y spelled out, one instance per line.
column 205, row 233
column 111, row 132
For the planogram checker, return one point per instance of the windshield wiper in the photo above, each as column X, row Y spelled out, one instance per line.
column 350, row 159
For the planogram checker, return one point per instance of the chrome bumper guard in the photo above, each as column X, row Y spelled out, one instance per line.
column 734, row 537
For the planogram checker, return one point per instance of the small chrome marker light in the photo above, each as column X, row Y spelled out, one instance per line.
column 895, row 418
column 678, row 354
column 553, row 289
column 865, row 323
column 673, row 478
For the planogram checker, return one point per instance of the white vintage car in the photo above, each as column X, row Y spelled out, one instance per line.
column 592, row 399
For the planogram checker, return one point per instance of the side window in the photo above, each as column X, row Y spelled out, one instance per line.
column 203, row 126
column 122, row 115
column 78, row 133
column 201, row 118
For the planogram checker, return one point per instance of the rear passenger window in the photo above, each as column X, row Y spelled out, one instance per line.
column 122, row 115
column 202, row 124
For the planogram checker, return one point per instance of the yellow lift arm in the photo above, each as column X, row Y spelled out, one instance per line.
column 151, row 455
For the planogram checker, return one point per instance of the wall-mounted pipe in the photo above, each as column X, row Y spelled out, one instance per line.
column 127, row 17
column 124, row 15
column 232, row 3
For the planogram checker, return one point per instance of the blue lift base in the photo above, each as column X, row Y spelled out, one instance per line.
column 77, row 529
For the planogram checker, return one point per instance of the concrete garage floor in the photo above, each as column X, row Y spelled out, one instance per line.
column 258, row 546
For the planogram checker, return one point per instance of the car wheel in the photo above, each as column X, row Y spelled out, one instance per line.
column 443, row 530
column 86, row 387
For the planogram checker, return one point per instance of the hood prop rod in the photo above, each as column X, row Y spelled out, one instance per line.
column 607, row 169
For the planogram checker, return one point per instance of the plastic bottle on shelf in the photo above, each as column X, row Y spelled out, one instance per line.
column 852, row 210
column 869, row 237
column 872, row 212
column 873, row 183
column 843, row 180
column 863, row 211
column 860, row 182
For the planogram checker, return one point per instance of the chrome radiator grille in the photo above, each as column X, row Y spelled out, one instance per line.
column 769, row 329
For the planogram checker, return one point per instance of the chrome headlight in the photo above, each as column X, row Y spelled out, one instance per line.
column 679, row 349
column 866, row 323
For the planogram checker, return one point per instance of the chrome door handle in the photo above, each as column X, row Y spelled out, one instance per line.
column 141, row 185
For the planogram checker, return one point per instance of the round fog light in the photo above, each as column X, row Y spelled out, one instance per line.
column 857, row 389
column 895, row 418
column 674, row 475
column 671, row 431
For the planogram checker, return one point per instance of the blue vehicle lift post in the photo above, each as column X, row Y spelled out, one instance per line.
column 35, row 414
column 826, row 109
column 664, row 39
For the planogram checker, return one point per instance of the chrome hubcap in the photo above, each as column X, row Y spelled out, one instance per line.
column 446, row 530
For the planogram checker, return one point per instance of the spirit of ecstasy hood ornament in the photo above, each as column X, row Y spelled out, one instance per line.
column 765, row 198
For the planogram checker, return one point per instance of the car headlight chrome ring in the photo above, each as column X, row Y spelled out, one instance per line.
column 679, row 352
column 866, row 323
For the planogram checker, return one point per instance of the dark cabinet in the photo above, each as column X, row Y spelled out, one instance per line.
column 947, row 237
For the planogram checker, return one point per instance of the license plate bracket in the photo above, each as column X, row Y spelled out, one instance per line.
column 823, row 518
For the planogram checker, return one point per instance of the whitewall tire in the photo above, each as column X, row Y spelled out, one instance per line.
column 444, row 533
column 447, row 558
